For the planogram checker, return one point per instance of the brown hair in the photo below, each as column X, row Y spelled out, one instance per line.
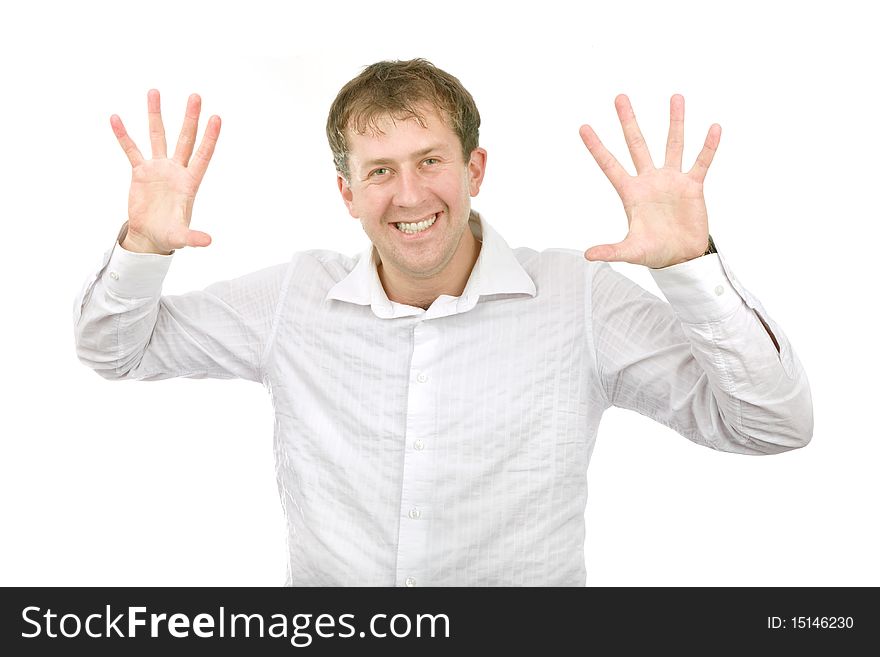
column 398, row 89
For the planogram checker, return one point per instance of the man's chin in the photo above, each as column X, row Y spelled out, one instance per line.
column 416, row 269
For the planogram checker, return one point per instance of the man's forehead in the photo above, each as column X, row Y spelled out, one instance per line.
column 387, row 138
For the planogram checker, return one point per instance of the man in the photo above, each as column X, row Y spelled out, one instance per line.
column 437, row 398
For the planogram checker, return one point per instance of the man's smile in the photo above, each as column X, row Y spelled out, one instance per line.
column 420, row 227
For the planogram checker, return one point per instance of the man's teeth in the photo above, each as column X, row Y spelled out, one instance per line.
column 417, row 227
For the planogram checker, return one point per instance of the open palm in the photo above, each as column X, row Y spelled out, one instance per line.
column 163, row 189
column 665, row 208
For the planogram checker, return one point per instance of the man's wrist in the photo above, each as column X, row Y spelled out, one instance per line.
column 710, row 248
column 131, row 243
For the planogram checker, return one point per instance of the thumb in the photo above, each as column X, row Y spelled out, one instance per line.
column 197, row 238
column 624, row 251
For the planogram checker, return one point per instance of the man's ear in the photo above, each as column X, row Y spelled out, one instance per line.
column 476, row 170
column 345, row 191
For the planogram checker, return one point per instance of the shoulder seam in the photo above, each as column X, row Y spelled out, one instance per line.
column 588, row 290
column 279, row 307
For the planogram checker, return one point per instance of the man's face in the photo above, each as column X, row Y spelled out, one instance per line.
column 410, row 174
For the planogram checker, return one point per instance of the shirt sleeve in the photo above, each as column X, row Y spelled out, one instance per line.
column 125, row 329
column 703, row 364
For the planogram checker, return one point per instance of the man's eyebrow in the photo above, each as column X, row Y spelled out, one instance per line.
column 417, row 154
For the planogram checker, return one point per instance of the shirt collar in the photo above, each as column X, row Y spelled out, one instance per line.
column 496, row 271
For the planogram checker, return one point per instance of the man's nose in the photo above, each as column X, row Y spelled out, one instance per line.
column 410, row 190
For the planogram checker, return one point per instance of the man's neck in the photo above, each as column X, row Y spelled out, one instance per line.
column 451, row 281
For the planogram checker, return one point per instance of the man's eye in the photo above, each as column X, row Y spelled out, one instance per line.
column 379, row 172
column 431, row 159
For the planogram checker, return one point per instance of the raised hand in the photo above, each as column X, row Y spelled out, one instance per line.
column 665, row 208
column 163, row 190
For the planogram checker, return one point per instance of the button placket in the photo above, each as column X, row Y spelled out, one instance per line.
column 416, row 483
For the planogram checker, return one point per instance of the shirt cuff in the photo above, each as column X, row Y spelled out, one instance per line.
column 135, row 275
column 699, row 289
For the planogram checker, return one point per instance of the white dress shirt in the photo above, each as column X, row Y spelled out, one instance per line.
column 450, row 446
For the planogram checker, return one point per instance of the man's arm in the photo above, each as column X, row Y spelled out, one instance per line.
column 124, row 328
column 710, row 364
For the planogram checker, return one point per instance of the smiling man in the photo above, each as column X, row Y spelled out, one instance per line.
column 410, row 185
column 437, row 397
column 409, row 173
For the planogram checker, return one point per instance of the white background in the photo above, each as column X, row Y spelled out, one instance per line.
column 173, row 482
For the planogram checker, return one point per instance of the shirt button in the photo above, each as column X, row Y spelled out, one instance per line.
column 114, row 275
column 422, row 377
column 719, row 290
column 410, row 581
column 419, row 444
column 415, row 514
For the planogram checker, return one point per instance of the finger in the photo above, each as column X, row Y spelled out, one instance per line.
column 131, row 151
column 634, row 140
column 206, row 149
column 197, row 238
column 187, row 140
column 625, row 251
column 704, row 159
column 675, row 141
column 157, row 130
column 606, row 161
